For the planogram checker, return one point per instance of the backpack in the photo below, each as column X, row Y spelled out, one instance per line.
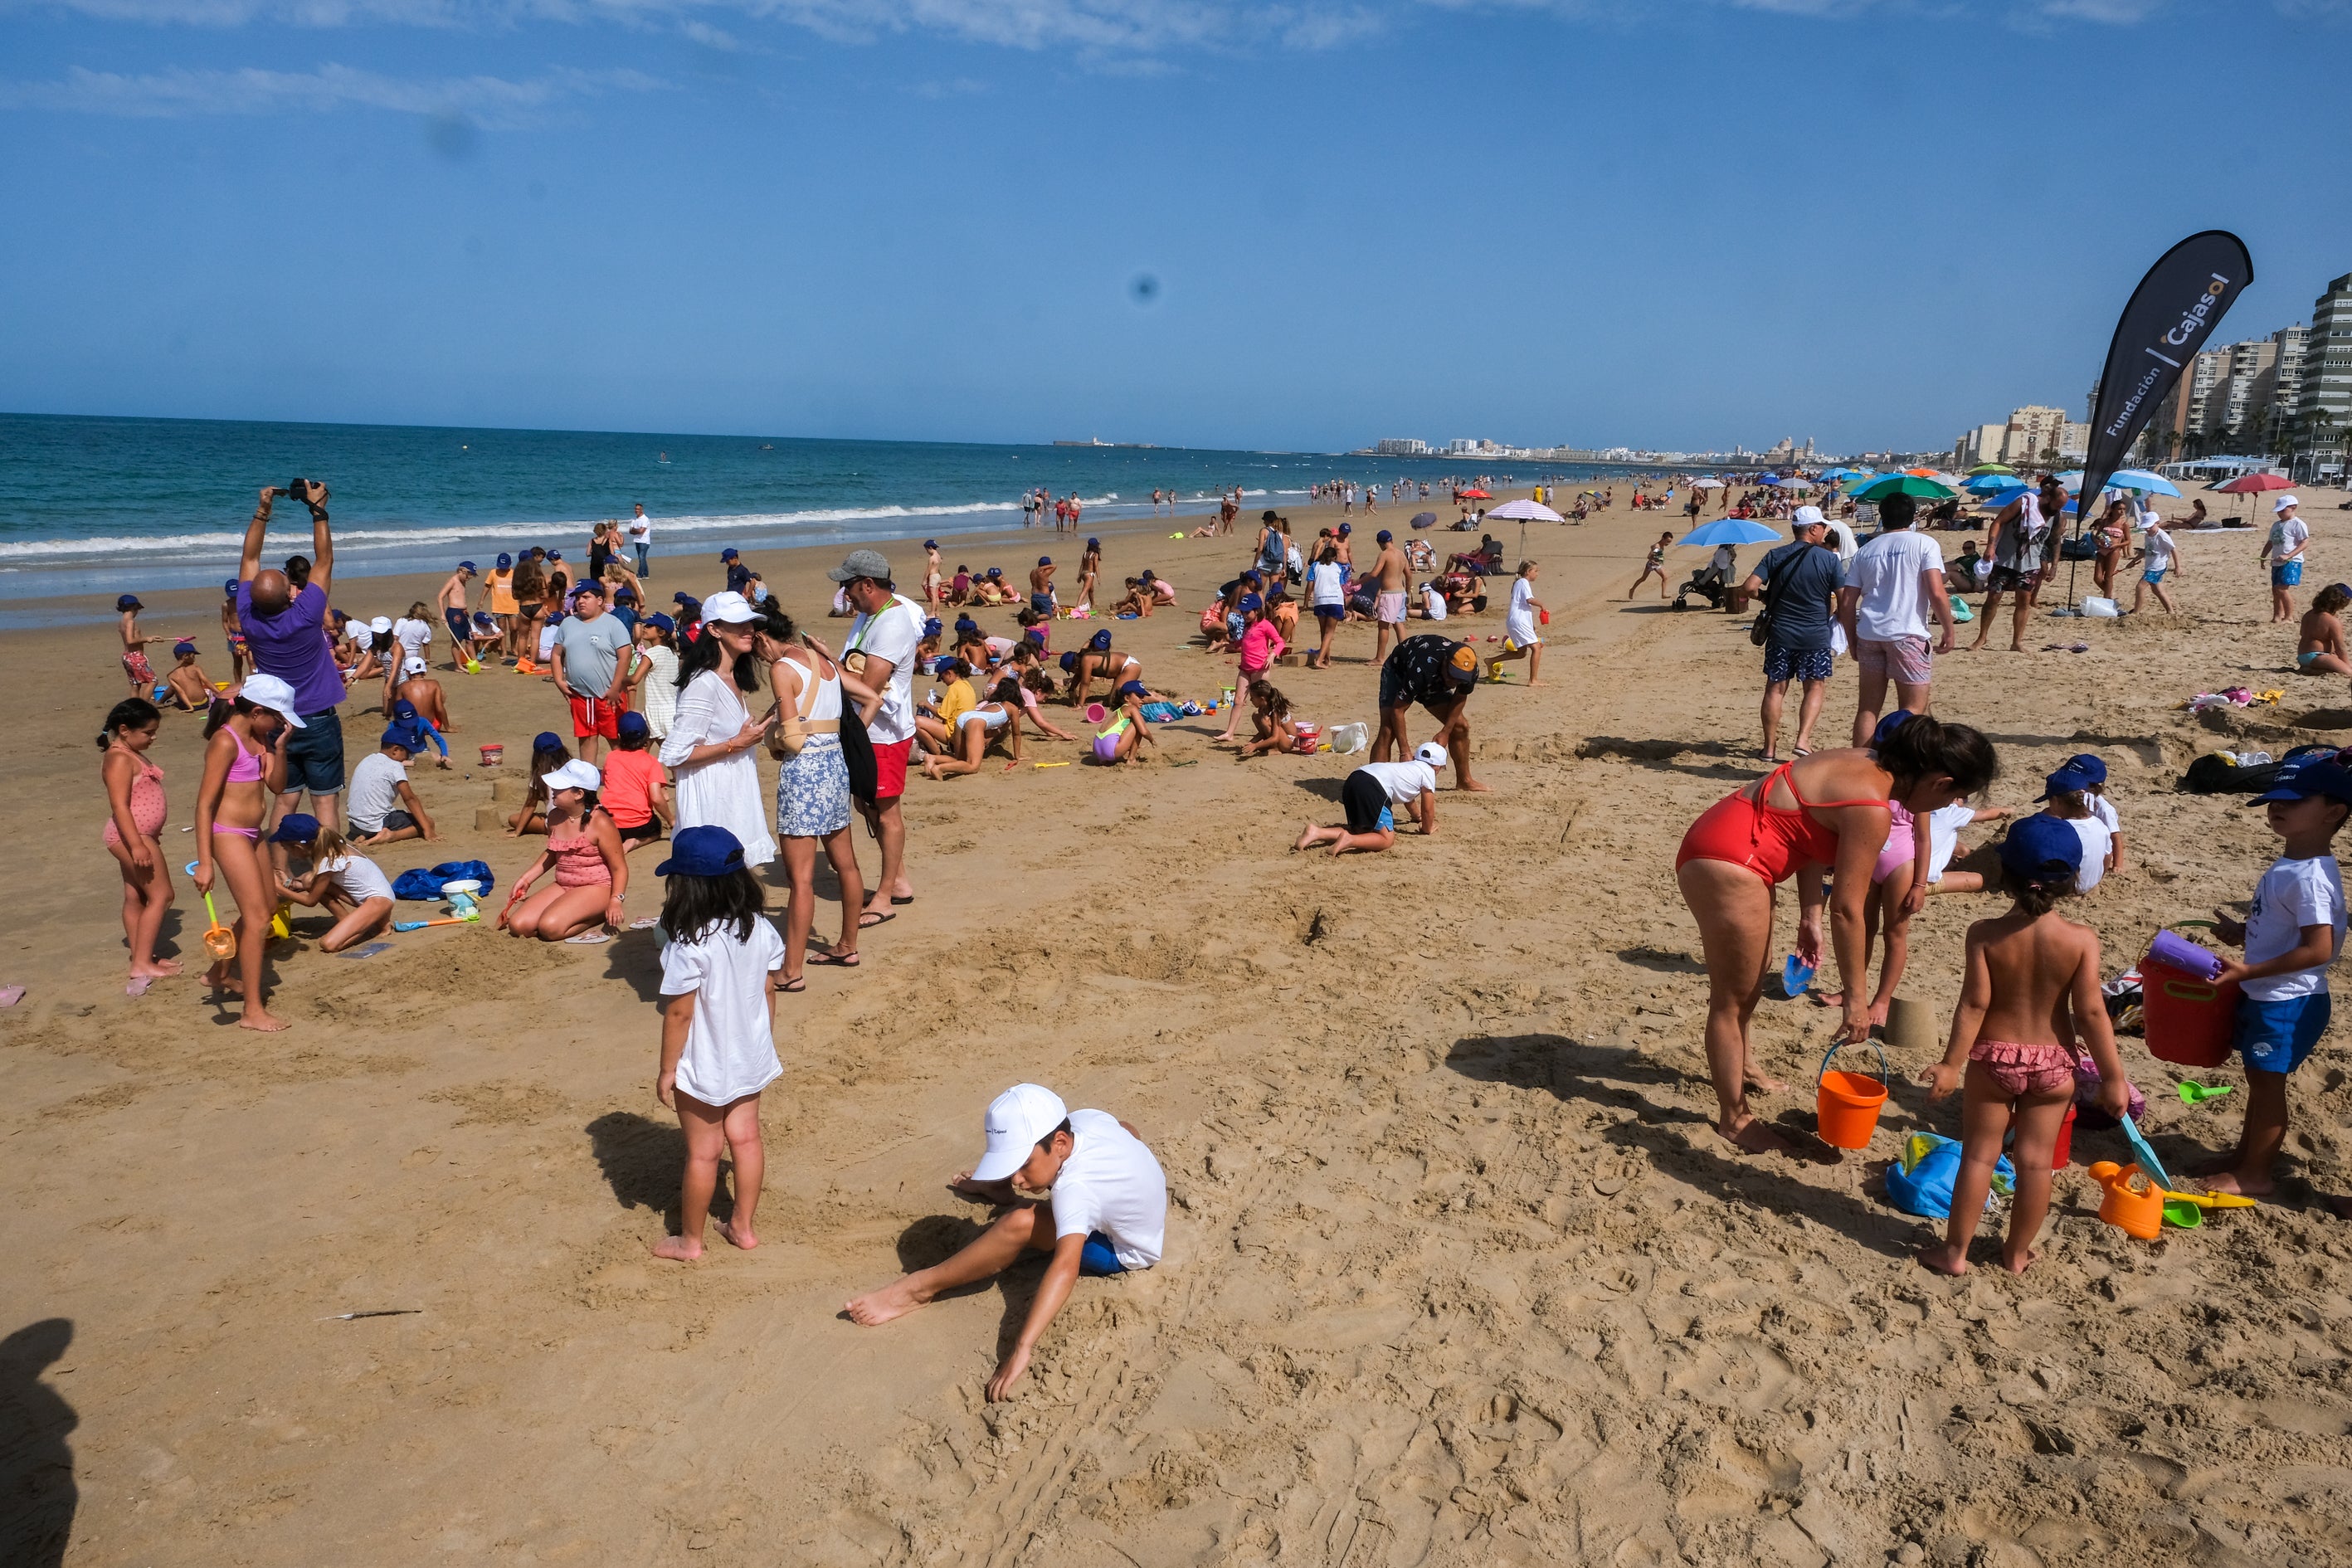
column 425, row 887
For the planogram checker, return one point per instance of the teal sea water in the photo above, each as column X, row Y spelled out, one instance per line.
column 107, row 505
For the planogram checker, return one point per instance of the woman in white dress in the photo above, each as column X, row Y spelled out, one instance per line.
column 713, row 745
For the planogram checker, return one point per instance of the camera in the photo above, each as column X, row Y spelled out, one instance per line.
column 310, row 492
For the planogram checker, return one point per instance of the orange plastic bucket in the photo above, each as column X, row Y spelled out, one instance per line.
column 2189, row 1019
column 2136, row 1211
column 1848, row 1103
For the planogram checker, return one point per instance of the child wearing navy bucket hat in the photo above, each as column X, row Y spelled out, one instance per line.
column 2293, row 931
column 2030, row 993
column 719, row 1027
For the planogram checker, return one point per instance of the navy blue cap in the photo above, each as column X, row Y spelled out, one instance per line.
column 663, row 621
column 546, row 741
column 633, row 725
column 404, row 709
column 966, row 624
column 588, row 585
column 505, row 559
column 2043, row 850
column 930, row 545
column 1037, row 635
column 944, row 665
column 931, row 626
column 1100, row 640
column 1888, row 725
column 2303, row 780
column 709, row 851
column 2086, row 764
column 1044, row 561
column 1384, row 536
column 1347, row 528
column 555, row 555
column 1132, row 688
column 467, row 566
column 1069, row 663
column 230, row 586
column 185, row 645
column 129, row 602
column 996, row 571
column 1251, row 576
column 1250, row 602
column 296, row 828
column 730, row 554
column 693, row 605
column 405, row 736
column 1094, row 544
column 621, row 593
column 2066, row 780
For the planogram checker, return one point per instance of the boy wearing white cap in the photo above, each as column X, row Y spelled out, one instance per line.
column 2283, row 550
column 1372, row 797
column 1079, row 1184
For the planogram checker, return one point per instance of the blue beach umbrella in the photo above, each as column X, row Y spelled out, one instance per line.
column 2140, row 479
column 1988, row 484
column 1729, row 531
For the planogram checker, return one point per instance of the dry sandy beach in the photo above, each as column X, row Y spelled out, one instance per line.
column 1458, row 1271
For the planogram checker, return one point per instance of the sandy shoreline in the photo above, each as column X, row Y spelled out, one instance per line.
column 1457, row 1272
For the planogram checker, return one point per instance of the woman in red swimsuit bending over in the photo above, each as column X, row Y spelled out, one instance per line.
column 1825, row 811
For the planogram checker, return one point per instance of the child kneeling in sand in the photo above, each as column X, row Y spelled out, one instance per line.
column 719, row 1027
column 351, row 887
column 2032, row 977
column 1079, row 1184
column 1372, row 795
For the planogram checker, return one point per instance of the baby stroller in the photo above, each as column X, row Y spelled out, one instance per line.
column 1707, row 584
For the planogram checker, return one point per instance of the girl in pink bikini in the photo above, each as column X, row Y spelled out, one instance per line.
column 585, row 851
column 245, row 764
column 134, row 798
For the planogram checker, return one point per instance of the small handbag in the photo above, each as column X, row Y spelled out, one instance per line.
column 791, row 735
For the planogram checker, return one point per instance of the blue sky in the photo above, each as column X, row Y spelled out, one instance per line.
column 1682, row 223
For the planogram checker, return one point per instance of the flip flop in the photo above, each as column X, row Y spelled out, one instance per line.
column 139, row 983
column 908, row 899
column 831, row 960
column 587, row 939
column 794, row 987
column 868, row 918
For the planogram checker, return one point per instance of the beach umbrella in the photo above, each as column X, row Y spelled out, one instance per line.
column 2251, row 484
column 1423, row 520
column 1706, row 484
column 1729, row 531
column 1844, row 473
column 1987, row 484
column 2140, row 479
column 1992, row 469
column 1524, row 513
column 2071, row 480
column 1903, row 485
column 1477, row 495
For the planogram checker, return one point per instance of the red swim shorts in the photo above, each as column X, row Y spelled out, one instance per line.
column 593, row 716
column 890, row 768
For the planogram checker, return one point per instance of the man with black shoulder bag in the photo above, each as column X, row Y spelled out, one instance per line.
column 1799, row 583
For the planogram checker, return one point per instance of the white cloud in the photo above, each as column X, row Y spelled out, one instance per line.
column 487, row 100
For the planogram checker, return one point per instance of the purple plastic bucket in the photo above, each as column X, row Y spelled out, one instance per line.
column 2179, row 952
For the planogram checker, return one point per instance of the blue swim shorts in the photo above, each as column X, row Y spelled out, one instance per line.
column 1798, row 663
column 2157, row 576
column 1098, row 1257
column 2275, row 1037
column 2286, row 573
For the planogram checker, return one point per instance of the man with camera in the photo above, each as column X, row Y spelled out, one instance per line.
column 286, row 628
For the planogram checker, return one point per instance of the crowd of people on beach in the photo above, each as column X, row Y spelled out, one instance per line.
column 664, row 713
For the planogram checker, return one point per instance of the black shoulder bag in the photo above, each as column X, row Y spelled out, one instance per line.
column 1761, row 631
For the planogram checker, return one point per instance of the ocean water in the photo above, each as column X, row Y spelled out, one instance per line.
column 109, row 505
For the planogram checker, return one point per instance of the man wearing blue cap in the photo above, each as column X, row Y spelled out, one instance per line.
column 452, row 602
column 2293, row 931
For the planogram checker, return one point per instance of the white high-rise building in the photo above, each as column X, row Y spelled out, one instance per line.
column 2325, row 388
column 2032, row 430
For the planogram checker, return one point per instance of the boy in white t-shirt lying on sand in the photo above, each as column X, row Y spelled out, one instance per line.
column 1078, row 1185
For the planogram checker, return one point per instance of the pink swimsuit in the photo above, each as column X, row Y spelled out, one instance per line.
column 578, row 862
column 147, row 807
column 247, row 769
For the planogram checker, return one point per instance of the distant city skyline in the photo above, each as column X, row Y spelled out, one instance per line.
column 1208, row 226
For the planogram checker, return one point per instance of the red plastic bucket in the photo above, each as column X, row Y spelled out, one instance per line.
column 2190, row 1019
column 2064, row 1147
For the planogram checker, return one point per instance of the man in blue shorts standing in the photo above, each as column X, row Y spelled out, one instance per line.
column 1798, row 583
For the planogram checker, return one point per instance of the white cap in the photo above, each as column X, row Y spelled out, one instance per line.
column 412, row 665
column 381, row 623
column 268, row 692
column 2284, row 502
column 1429, row 751
column 1017, row 1121
column 573, row 775
column 727, row 605
column 1808, row 517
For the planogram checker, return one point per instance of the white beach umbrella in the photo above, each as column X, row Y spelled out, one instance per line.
column 1525, row 512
